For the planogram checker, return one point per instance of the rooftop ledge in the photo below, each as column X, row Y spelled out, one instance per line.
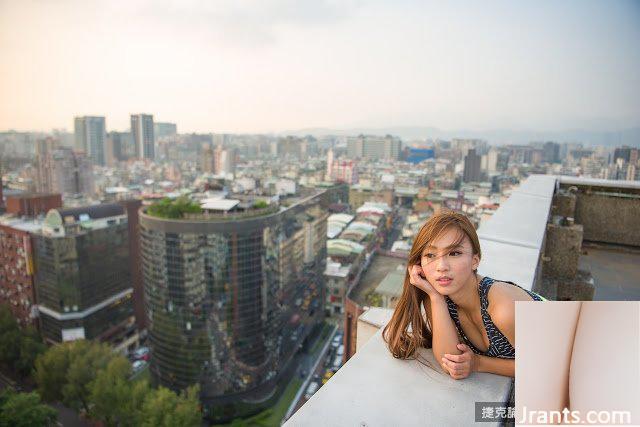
column 375, row 389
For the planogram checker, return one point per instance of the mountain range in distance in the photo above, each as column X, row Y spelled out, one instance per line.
column 630, row 136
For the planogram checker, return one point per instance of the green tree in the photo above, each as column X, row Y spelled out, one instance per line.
column 24, row 410
column 162, row 407
column 66, row 370
column 31, row 346
column 51, row 372
column 9, row 337
column 111, row 393
column 18, row 347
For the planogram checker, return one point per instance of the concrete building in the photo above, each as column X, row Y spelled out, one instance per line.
column 143, row 136
column 224, row 161
column 90, row 137
column 32, row 204
column 472, row 170
column 231, row 295
column 374, row 147
column 163, row 130
column 61, row 170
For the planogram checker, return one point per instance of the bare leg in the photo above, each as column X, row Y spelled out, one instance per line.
column 544, row 340
column 605, row 365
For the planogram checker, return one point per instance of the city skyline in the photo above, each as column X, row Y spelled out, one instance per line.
column 274, row 67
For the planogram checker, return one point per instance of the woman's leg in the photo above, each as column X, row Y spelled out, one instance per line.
column 544, row 340
column 605, row 365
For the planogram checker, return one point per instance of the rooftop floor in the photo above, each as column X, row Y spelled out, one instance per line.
column 616, row 271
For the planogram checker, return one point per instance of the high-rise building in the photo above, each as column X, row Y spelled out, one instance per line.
column 551, row 152
column 293, row 147
column 143, row 135
column 61, row 170
column 90, row 136
column 121, row 145
column 472, row 171
column 207, row 159
column 224, row 161
column 374, row 148
column 231, row 296
column 83, row 276
column 329, row 172
column 164, row 130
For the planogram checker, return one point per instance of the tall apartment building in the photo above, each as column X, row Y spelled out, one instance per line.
column 83, row 276
column 472, row 170
column 90, row 137
column 143, row 135
column 17, row 288
column 231, row 297
column 224, row 160
column 62, row 170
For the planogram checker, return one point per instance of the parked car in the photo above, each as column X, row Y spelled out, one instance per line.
column 337, row 340
column 138, row 365
column 141, row 353
column 337, row 362
column 328, row 374
column 313, row 387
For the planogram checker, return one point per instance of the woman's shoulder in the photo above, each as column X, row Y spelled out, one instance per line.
column 502, row 295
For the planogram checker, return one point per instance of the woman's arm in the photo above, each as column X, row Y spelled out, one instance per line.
column 496, row 365
column 444, row 333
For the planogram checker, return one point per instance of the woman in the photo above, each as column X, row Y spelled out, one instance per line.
column 442, row 278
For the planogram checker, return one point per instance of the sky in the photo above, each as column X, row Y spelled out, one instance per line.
column 273, row 65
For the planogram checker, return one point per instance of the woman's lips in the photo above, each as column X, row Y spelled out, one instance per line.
column 444, row 282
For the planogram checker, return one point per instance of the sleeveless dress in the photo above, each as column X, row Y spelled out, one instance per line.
column 499, row 346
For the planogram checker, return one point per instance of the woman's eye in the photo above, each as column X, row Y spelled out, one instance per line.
column 455, row 253
column 429, row 255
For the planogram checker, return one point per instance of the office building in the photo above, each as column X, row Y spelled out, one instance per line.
column 90, row 136
column 83, row 276
column 143, row 135
column 231, row 295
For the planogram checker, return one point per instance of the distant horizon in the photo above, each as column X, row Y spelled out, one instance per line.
column 410, row 134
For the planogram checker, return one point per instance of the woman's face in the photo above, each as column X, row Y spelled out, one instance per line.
column 446, row 268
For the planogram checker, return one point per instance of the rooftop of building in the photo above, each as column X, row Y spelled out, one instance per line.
column 512, row 241
column 381, row 265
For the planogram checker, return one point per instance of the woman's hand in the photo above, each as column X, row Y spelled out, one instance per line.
column 460, row 366
column 417, row 279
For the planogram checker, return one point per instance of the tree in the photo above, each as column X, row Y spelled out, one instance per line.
column 9, row 337
column 111, row 393
column 162, row 407
column 66, row 370
column 24, row 410
column 31, row 346
column 18, row 348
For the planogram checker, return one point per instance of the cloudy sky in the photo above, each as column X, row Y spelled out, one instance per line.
column 274, row 65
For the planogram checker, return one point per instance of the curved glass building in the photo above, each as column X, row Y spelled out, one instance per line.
column 230, row 299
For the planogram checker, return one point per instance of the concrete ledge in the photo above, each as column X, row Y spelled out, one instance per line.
column 374, row 389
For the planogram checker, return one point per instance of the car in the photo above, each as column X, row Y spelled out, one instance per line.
column 337, row 339
column 141, row 353
column 313, row 387
column 138, row 365
column 337, row 362
column 327, row 375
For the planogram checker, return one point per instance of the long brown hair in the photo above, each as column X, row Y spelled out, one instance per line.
column 403, row 342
